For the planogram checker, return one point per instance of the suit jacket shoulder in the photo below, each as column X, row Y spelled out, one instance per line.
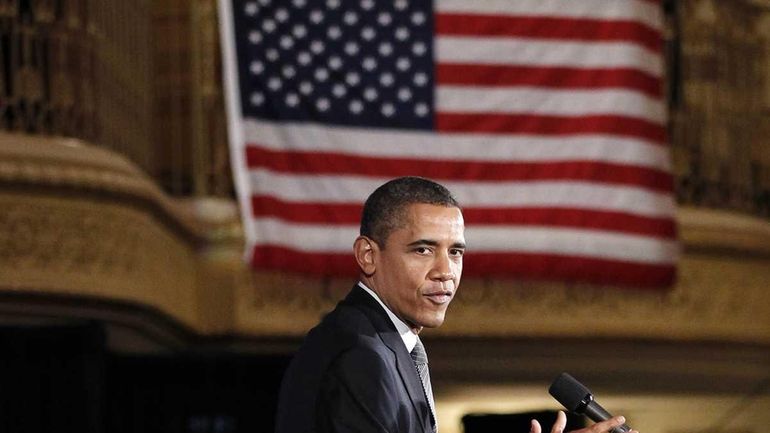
column 353, row 370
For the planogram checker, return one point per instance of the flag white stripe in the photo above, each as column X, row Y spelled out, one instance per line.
column 311, row 137
column 573, row 242
column 564, row 194
column 529, row 52
column 572, row 194
column 314, row 238
column 529, row 100
column 616, row 10
column 309, row 238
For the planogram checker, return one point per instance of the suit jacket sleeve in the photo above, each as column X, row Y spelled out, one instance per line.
column 362, row 392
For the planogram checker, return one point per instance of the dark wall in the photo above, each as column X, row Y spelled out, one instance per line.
column 192, row 394
column 517, row 422
column 63, row 379
column 51, row 379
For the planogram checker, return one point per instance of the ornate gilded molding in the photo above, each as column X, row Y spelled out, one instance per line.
column 81, row 221
column 721, row 295
column 71, row 164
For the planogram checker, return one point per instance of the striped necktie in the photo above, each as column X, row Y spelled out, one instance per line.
column 420, row 359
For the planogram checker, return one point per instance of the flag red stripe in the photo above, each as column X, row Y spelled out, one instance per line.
column 284, row 259
column 508, row 265
column 350, row 214
column 555, row 77
column 569, row 268
column 550, row 125
column 334, row 163
column 541, row 27
column 313, row 213
column 318, row 213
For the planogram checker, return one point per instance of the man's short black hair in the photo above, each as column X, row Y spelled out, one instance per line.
column 384, row 210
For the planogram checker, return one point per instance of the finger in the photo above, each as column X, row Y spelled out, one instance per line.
column 608, row 425
column 560, row 423
column 535, row 427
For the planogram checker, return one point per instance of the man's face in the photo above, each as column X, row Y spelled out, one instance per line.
column 417, row 271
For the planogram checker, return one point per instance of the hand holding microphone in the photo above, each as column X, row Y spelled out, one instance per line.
column 600, row 427
column 577, row 398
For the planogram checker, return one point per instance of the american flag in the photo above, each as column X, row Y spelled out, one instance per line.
column 544, row 117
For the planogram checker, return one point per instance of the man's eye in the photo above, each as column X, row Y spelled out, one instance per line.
column 422, row 250
column 457, row 253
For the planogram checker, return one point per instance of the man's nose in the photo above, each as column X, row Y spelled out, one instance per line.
column 442, row 268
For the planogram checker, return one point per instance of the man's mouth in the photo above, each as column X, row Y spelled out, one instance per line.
column 442, row 297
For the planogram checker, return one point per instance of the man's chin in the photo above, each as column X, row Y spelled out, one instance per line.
column 433, row 322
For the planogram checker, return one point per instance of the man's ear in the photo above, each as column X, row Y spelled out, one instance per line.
column 365, row 250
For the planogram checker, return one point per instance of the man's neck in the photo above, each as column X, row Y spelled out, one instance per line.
column 408, row 335
column 369, row 287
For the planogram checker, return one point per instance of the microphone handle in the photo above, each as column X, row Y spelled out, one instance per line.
column 597, row 413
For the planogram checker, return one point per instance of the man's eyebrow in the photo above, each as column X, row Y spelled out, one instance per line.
column 433, row 243
column 423, row 242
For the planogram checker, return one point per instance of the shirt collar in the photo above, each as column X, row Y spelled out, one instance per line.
column 409, row 337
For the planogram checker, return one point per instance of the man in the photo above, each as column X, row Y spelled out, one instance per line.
column 363, row 368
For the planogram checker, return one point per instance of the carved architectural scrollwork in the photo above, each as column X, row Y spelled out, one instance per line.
column 44, row 11
column 8, row 8
column 76, row 68
column 719, row 106
column 78, row 221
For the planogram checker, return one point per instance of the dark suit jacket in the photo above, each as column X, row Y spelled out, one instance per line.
column 353, row 374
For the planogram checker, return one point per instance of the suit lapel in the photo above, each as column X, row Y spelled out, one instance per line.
column 404, row 364
column 409, row 376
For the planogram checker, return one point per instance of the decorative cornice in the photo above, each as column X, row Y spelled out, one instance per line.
column 721, row 295
column 80, row 221
column 725, row 233
column 66, row 164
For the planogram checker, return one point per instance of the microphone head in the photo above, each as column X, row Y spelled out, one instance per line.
column 569, row 392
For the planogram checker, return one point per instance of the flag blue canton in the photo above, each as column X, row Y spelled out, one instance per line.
column 352, row 63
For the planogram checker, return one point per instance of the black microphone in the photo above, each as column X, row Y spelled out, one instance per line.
column 574, row 396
